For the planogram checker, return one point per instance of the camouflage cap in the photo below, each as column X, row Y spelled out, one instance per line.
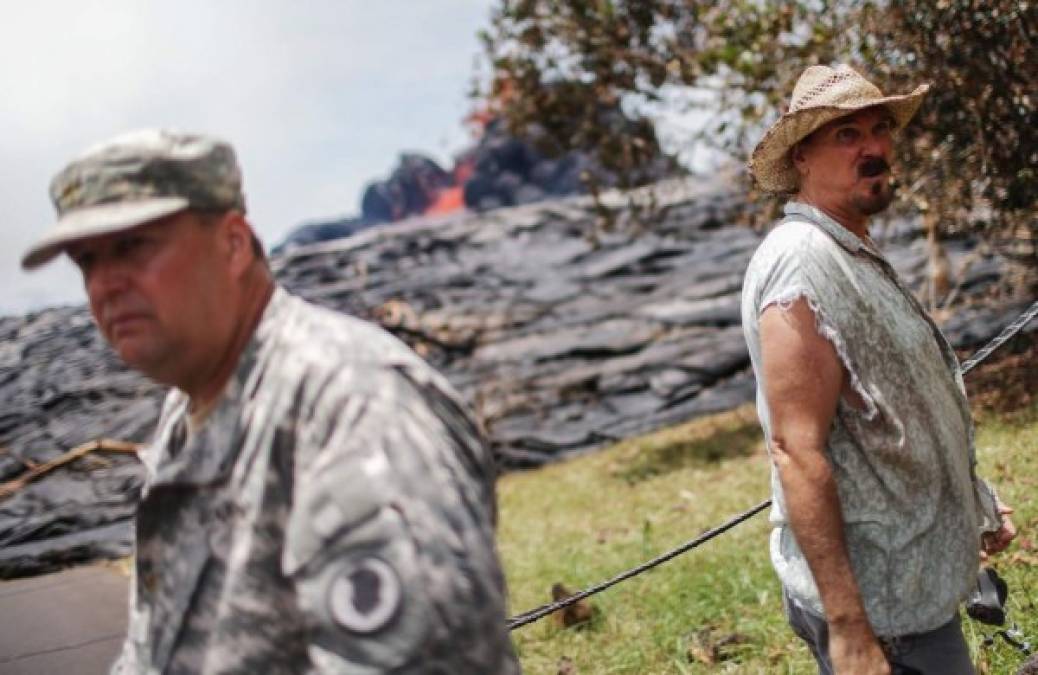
column 133, row 179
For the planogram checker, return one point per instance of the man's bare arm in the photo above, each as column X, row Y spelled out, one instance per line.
column 803, row 382
column 999, row 540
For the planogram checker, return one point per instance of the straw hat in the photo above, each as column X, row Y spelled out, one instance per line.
column 821, row 95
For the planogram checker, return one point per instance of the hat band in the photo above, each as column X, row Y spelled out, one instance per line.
column 101, row 192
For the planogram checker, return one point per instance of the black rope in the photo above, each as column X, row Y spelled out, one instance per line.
column 520, row 620
column 534, row 614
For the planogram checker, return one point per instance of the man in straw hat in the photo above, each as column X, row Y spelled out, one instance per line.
column 878, row 516
column 317, row 497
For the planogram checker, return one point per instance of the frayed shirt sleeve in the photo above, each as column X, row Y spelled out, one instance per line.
column 789, row 273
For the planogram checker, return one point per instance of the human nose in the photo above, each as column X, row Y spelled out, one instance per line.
column 104, row 279
column 877, row 145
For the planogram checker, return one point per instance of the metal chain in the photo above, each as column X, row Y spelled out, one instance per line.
column 520, row 620
column 1007, row 334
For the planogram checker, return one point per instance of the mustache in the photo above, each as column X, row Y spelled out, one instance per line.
column 873, row 166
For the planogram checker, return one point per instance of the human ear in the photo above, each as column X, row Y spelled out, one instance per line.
column 799, row 160
column 238, row 240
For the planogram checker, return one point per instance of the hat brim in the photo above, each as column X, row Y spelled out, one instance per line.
column 96, row 221
column 771, row 165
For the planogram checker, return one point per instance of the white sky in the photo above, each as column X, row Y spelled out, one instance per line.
column 317, row 96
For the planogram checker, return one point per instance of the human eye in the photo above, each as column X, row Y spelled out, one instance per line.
column 131, row 245
column 847, row 135
column 84, row 260
column 884, row 128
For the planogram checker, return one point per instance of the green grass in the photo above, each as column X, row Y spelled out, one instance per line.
column 584, row 520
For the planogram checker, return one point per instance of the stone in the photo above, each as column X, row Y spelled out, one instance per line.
column 563, row 338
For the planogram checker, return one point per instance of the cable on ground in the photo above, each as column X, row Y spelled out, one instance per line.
column 528, row 617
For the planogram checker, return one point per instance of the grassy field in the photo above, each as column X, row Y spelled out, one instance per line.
column 717, row 608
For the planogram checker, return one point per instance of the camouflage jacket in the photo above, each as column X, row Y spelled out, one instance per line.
column 333, row 514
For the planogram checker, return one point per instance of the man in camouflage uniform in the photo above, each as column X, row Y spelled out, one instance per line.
column 318, row 500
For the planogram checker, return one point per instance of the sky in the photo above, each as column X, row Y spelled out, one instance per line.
column 318, row 98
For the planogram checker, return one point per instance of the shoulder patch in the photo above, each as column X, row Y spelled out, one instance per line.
column 365, row 595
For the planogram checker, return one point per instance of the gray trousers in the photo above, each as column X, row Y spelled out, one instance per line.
column 942, row 651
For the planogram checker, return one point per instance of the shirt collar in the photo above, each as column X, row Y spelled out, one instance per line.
column 841, row 234
column 208, row 454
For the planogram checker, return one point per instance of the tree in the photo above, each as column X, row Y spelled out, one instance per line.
column 971, row 155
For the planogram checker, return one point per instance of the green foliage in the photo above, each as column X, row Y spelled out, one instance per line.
column 717, row 608
column 970, row 158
